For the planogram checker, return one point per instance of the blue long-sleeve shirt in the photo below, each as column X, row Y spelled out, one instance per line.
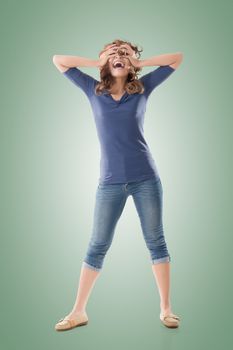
column 125, row 155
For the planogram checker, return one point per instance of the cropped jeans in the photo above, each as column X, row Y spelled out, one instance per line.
column 110, row 201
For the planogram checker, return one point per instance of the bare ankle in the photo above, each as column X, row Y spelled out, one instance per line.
column 78, row 310
column 165, row 307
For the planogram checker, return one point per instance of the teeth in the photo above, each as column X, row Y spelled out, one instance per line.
column 121, row 63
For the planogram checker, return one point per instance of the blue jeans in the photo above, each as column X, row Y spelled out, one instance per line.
column 110, row 201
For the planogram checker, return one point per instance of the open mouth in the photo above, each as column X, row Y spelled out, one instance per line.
column 118, row 64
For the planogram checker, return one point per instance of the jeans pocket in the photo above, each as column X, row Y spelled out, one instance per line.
column 152, row 181
column 152, row 185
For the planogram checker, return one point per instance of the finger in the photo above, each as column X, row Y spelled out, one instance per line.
column 131, row 60
column 111, row 46
column 130, row 50
column 127, row 53
column 126, row 46
column 107, row 53
column 107, row 48
column 111, row 50
column 111, row 54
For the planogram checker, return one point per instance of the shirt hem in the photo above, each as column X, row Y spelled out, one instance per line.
column 120, row 181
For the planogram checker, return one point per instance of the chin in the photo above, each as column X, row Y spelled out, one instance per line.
column 119, row 74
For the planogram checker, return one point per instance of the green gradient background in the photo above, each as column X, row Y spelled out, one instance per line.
column 50, row 168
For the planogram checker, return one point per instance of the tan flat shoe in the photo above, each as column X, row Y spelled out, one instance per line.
column 170, row 321
column 69, row 323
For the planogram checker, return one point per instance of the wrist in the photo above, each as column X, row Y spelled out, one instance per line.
column 141, row 63
column 96, row 63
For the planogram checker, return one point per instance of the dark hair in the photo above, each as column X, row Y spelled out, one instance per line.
column 133, row 85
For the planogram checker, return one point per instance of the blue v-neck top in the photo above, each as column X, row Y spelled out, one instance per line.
column 125, row 154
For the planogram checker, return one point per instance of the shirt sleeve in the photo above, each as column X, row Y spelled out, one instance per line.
column 83, row 80
column 154, row 78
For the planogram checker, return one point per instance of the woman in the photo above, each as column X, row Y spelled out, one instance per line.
column 127, row 167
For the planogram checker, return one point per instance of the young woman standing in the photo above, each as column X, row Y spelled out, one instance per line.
column 127, row 167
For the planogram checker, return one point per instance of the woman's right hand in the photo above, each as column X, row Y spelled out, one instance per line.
column 106, row 54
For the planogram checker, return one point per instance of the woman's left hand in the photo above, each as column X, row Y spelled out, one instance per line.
column 135, row 61
column 128, row 49
column 130, row 54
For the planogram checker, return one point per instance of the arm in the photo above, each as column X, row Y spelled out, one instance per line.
column 167, row 65
column 67, row 66
column 173, row 60
column 63, row 62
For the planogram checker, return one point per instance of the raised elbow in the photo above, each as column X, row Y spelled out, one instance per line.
column 180, row 56
column 55, row 58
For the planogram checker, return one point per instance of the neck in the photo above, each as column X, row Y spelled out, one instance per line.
column 118, row 86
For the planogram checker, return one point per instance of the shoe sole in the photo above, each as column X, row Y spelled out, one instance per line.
column 169, row 325
column 67, row 329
